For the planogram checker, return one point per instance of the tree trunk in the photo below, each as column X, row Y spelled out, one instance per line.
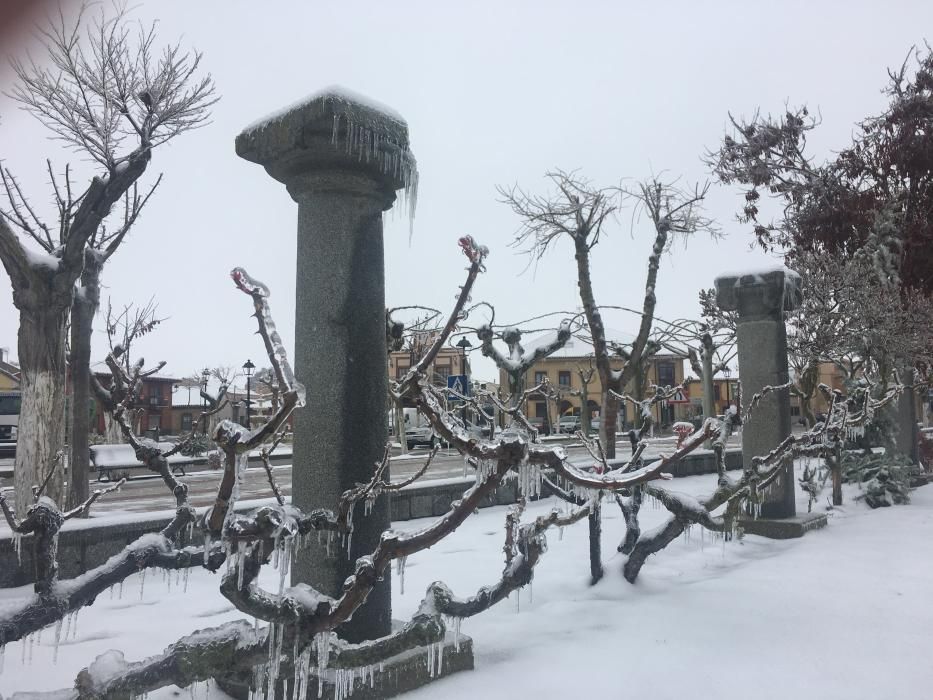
column 596, row 535
column 400, row 426
column 709, row 405
column 41, row 349
column 83, row 309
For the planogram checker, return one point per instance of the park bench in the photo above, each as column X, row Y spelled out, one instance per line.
column 120, row 460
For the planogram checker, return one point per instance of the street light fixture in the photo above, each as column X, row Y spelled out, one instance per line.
column 464, row 345
column 249, row 367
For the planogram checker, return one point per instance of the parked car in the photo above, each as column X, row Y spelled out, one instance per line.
column 537, row 424
column 421, row 435
column 569, row 424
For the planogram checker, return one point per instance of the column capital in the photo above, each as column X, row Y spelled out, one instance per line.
column 759, row 295
column 333, row 133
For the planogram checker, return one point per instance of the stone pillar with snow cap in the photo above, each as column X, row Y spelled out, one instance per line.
column 761, row 298
column 342, row 158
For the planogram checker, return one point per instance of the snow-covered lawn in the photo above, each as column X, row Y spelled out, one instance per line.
column 846, row 612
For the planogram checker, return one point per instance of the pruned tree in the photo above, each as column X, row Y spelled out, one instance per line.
column 123, row 329
column 106, row 92
column 708, row 344
column 579, row 211
column 742, row 497
column 586, row 374
column 295, row 639
column 518, row 361
column 870, row 204
column 292, row 642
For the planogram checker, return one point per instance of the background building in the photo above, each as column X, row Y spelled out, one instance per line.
column 566, row 371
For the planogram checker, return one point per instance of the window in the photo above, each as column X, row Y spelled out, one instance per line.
column 400, row 370
column 540, row 377
column 563, row 378
column 186, row 421
column 10, row 405
column 443, row 371
column 716, row 391
column 540, row 409
column 666, row 374
column 794, row 411
column 155, row 421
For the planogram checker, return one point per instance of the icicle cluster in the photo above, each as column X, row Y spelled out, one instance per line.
column 18, row 547
column 436, row 658
column 400, row 572
column 485, row 467
column 854, row 432
column 529, row 480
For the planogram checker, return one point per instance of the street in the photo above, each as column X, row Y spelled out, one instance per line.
column 147, row 493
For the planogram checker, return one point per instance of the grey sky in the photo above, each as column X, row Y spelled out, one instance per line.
column 493, row 94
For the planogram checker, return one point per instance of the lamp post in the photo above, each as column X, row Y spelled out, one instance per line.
column 249, row 367
column 727, row 373
column 205, row 375
column 463, row 345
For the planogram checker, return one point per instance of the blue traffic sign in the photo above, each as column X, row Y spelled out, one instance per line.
column 459, row 384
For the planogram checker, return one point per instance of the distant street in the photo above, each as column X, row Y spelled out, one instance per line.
column 146, row 493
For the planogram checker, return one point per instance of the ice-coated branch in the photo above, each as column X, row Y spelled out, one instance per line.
column 820, row 441
column 267, row 465
column 758, row 396
column 519, row 570
column 475, row 253
column 199, row 656
column 519, row 361
column 54, row 599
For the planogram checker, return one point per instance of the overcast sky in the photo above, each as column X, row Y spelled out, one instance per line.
column 494, row 94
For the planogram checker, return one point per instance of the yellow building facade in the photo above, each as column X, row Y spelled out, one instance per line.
column 567, row 374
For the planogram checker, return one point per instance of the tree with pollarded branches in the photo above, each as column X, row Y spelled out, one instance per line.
column 291, row 643
column 518, row 361
column 123, row 328
column 871, row 204
column 293, row 637
column 106, row 92
column 578, row 210
column 708, row 344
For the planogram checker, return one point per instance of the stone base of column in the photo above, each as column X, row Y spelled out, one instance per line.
column 783, row 528
column 399, row 674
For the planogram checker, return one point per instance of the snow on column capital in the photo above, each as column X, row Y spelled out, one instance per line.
column 332, row 132
column 766, row 293
column 342, row 158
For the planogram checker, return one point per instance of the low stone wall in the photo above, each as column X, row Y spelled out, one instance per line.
column 84, row 544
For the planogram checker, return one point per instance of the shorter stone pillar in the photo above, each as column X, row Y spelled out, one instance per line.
column 907, row 428
column 761, row 300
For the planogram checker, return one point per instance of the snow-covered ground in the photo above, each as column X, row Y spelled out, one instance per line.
column 846, row 612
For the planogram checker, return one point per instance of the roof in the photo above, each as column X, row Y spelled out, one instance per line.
column 10, row 370
column 578, row 347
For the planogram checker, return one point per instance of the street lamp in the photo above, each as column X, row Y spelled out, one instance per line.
column 249, row 367
column 205, row 375
column 463, row 345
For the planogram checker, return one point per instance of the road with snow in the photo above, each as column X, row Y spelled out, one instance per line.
column 147, row 493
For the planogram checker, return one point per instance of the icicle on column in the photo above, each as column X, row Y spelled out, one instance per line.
column 761, row 298
column 342, row 159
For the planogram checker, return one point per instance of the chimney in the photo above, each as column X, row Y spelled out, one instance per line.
column 4, row 354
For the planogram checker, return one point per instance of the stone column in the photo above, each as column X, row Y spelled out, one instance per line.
column 342, row 159
column 761, row 298
column 907, row 418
